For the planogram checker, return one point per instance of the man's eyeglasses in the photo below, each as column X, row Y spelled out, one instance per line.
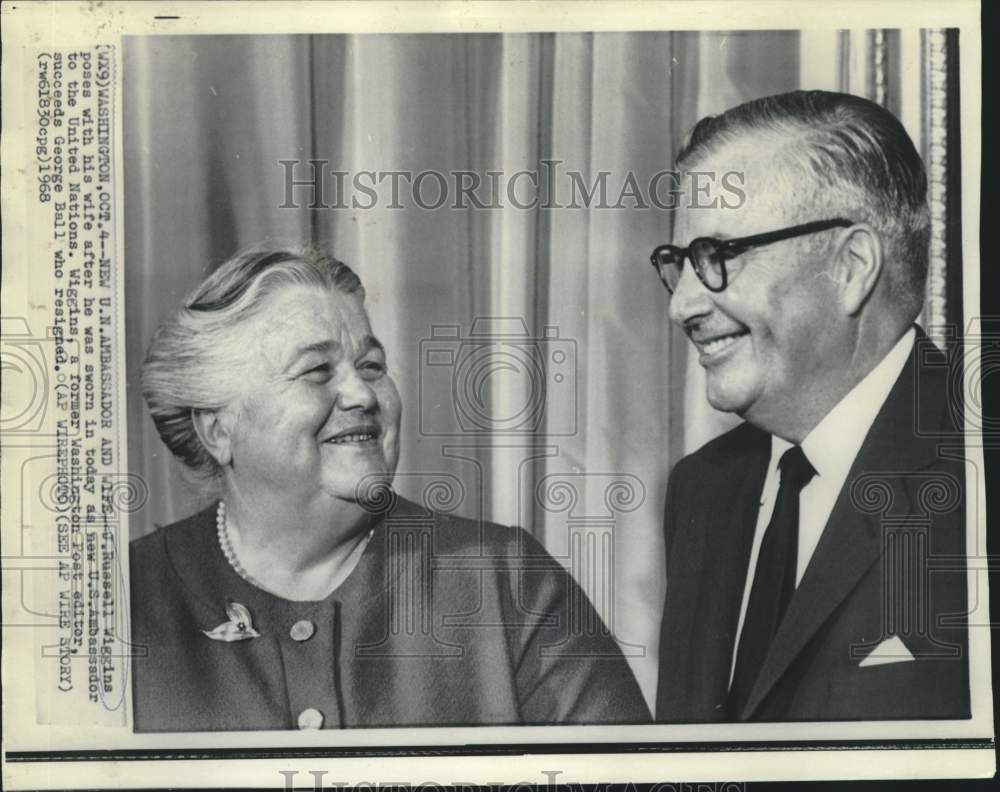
column 709, row 256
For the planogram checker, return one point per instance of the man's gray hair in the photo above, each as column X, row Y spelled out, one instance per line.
column 192, row 358
column 860, row 159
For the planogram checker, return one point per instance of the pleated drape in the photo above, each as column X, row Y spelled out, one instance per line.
column 208, row 122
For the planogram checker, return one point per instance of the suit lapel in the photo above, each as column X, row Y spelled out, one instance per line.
column 850, row 544
column 725, row 559
column 852, row 539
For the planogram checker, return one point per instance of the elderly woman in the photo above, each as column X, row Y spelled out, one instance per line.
column 310, row 595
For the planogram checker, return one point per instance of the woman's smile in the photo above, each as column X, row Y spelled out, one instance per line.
column 362, row 434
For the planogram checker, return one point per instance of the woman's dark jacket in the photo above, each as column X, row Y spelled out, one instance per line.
column 443, row 622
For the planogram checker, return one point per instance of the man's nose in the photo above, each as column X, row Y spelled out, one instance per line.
column 354, row 392
column 690, row 300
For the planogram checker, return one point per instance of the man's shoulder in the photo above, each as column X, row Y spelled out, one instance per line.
column 734, row 448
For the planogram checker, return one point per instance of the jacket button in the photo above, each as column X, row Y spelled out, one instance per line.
column 302, row 630
column 310, row 719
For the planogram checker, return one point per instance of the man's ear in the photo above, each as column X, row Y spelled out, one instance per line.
column 215, row 432
column 859, row 266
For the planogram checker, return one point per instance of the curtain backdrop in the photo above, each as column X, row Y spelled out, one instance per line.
column 209, row 120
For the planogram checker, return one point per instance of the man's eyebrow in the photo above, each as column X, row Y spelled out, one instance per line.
column 721, row 235
column 370, row 342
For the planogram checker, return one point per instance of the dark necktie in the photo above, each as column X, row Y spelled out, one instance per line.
column 774, row 578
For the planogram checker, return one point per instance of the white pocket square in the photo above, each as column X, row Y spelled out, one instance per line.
column 891, row 650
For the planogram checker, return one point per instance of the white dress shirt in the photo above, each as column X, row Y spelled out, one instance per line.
column 831, row 448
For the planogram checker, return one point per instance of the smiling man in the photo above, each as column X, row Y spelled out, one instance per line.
column 800, row 544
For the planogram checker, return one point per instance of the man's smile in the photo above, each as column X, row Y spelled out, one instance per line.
column 712, row 348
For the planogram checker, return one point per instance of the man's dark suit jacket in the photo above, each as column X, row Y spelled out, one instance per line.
column 890, row 562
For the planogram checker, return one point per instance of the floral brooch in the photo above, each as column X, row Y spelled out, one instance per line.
column 238, row 628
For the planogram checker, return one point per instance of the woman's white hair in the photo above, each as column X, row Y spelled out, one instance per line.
column 194, row 354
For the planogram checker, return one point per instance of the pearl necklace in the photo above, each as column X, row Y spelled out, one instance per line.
column 227, row 546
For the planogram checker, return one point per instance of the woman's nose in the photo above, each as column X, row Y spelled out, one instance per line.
column 354, row 392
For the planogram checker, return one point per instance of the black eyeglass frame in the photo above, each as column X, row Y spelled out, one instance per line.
column 727, row 249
